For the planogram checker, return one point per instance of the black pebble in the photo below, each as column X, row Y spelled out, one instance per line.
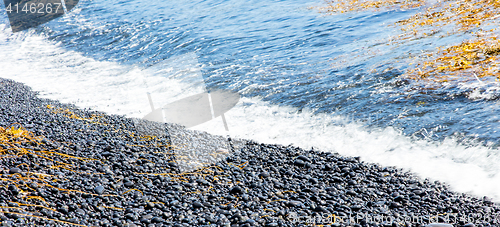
column 303, row 158
column 197, row 204
column 14, row 170
column 236, row 190
column 264, row 174
column 299, row 162
column 99, row 189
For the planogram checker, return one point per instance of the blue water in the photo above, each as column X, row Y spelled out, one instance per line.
column 286, row 52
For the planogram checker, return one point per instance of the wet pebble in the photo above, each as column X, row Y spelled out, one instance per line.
column 99, row 189
column 14, row 170
column 236, row 190
column 197, row 204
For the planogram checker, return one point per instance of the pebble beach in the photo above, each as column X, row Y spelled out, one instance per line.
column 65, row 166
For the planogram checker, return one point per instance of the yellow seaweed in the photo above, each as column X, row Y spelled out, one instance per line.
column 474, row 57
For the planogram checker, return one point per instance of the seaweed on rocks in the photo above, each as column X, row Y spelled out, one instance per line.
column 63, row 166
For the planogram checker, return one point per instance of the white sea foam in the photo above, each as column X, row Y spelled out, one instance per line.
column 121, row 89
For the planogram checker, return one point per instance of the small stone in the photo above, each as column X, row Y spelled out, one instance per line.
column 399, row 198
column 63, row 209
column 80, row 211
column 12, row 188
column 395, row 205
column 212, row 197
column 107, row 154
column 264, row 175
column 150, row 205
column 130, row 216
column 197, row 204
column 330, row 189
column 14, row 170
column 7, row 223
column 293, row 203
column 33, row 185
column 157, row 220
column 175, row 203
column 236, row 190
column 327, row 167
column 356, row 207
column 99, row 189
column 321, row 209
column 313, row 180
column 202, row 181
column 299, row 162
column 418, row 192
column 74, row 220
column 177, row 187
column 336, row 179
column 303, row 158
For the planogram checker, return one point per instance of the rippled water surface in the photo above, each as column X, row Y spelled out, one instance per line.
column 286, row 52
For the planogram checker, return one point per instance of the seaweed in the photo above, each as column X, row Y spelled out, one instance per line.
column 475, row 22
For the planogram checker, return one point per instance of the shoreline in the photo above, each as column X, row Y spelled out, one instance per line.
column 94, row 169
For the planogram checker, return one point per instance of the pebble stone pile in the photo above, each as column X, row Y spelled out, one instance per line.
column 62, row 166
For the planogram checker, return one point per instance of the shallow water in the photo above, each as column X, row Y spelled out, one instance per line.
column 329, row 81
